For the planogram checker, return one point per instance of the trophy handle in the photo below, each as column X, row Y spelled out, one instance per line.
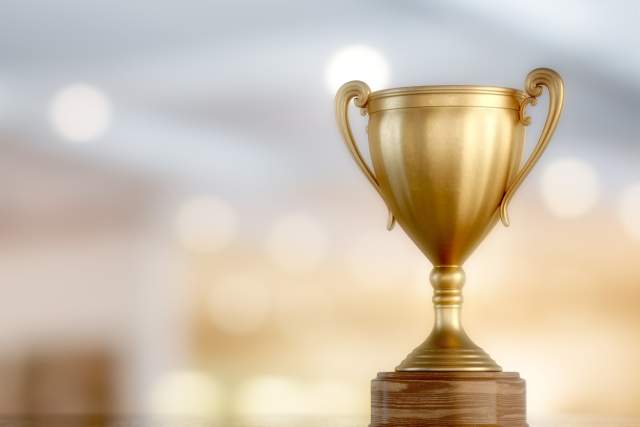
column 359, row 92
column 534, row 82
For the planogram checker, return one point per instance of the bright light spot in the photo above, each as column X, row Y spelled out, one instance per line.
column 239, row 304
column 629, row 210
column 284, row 396
column 297, row 243
column 80, row 112
column 206, row 224
column 570, row 187
column 271, row 396
column 357, row 63
column 185, row 393
column 383, row 259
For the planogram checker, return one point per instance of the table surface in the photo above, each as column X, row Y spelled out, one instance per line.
column 270, row 421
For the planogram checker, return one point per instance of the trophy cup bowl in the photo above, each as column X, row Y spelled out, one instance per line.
column 446, row 162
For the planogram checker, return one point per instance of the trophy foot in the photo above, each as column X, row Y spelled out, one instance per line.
column 421, row 399
column 448, row 359
column 448, row 348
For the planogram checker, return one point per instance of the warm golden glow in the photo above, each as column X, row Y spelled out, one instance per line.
column 629, row 210
column 238, row 304
column 382, row 258
column 280, row 395
column 271, row 396
column 183, row 233
column 304, row 306
column 297, row 243
column 189, row 393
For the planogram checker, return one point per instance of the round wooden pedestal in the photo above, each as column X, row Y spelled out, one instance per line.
column 420, row 399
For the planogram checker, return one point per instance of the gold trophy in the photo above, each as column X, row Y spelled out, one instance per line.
column 446, row 161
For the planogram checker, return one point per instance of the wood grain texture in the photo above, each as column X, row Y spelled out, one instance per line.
column 420, row 399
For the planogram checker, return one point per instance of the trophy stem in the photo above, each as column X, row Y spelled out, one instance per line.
column 448, row 348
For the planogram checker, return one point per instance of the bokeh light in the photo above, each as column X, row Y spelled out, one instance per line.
column 629, row 210
column 270, row 395
column 180, row 217
column 239, row 304
column 570, row 187
column 297, row 243
column 206, row 224
column 358, row 62
column 273, row 395
column 382, row 258
column 80, row 112
column 189, row 393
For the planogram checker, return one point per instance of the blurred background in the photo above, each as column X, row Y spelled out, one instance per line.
column 182, row 230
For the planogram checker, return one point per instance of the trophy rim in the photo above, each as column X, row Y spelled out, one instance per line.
column 446, row 96
column 448, row 89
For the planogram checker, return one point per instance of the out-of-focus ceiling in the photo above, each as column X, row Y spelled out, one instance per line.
column 232, row 95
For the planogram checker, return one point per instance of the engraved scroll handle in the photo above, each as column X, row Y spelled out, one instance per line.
column 359, row 92
column 534, row 83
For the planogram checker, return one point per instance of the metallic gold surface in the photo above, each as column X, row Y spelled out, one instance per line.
column 445, row 161
column 359, row 92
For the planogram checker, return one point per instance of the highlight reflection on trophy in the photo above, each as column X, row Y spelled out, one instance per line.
column 446, row 161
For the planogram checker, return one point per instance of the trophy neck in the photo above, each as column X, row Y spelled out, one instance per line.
column 448, row 348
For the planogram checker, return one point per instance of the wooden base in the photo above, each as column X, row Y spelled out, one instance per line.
column 420, row 399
